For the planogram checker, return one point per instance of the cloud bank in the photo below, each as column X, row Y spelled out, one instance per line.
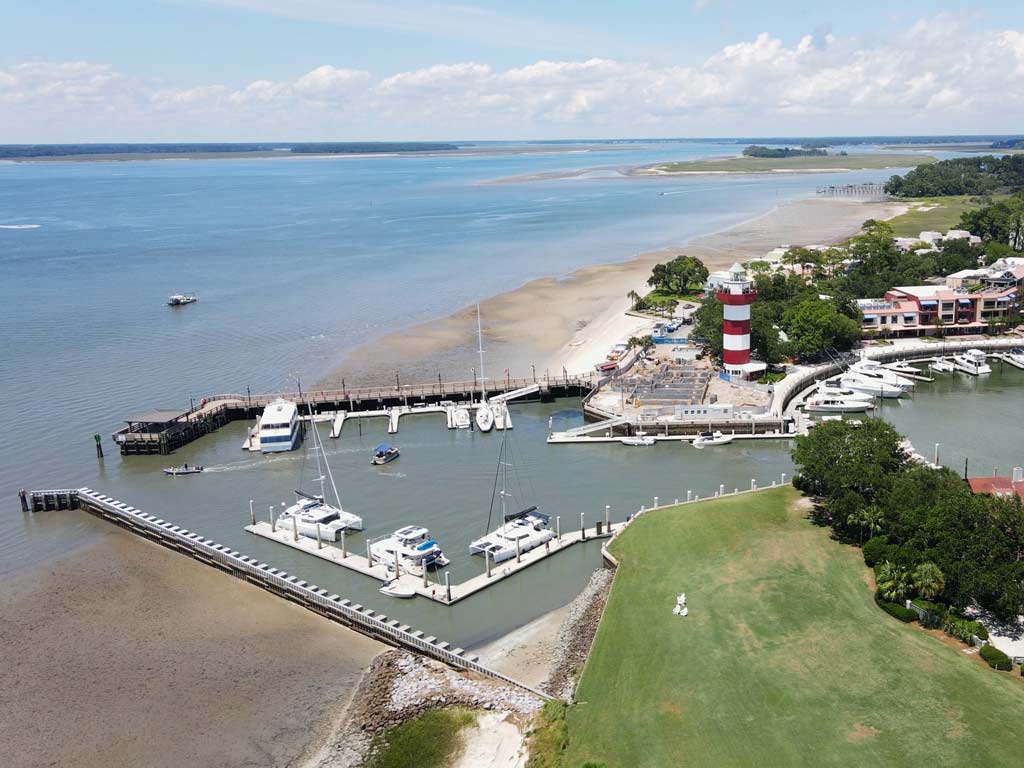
column 939, row 75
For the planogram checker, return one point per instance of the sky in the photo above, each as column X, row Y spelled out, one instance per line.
column 322, row 70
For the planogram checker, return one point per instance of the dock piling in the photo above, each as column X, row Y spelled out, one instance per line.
column 273, row 520
column 319, row 537
column 448, row 586
column 721, row 489
column 99, row 446
column 783, row 481
column 23, row 495
column 344, row 549
column 252, row 513
column 487, row 561
column 424, row 578
column 655, row 503
column 583, row 528
column 519, row 558
column 608, row 517
column 295, row 528
column 369, row 559
column 689, row 495
column 558, row 527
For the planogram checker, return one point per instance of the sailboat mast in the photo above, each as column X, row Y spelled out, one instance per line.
column 480, row 342
column 504, row 472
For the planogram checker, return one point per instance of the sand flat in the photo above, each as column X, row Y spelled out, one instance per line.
column 127, row 654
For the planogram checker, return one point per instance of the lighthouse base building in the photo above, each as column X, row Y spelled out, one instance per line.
column 736, row 294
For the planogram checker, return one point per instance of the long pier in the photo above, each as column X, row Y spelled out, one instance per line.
column 163, row 432
column 309, row 596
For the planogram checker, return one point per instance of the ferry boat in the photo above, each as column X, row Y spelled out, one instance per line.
column 941, row 365
column 521, row 531
column 181, row 299
column 413, row 549
column 311, row 513
column 973, row 361
column 711, row 438
column 384, row 454
column 279, row 428
column 823, row 403
column 184, row 469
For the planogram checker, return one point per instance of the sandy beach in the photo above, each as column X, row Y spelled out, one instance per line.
column 127, row 654
column 572, row 320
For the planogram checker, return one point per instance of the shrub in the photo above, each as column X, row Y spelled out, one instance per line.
column 937, row 613
column 877, row 550
column 962, row 629
column 996, row 658
column 905, row 615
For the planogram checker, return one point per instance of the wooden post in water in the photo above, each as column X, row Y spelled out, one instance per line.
column 369, row 560
column 655, row 503
column 583, row 530
column 558, row 527
column 99, row 446
column 252, row 513
column 424, row 578
column 319, row 537
column 23, row 495
column 448, row 586
column 295, row 527
column 608, row 517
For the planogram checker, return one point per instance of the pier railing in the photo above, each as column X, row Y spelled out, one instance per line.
column 310, row 596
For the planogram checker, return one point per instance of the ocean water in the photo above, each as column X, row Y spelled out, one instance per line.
column 296, row 262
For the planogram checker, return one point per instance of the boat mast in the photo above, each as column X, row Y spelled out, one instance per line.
column 480, row 342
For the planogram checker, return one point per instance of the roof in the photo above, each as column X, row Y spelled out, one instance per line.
column 279, row 408
column 382, row 448
column 157, row 416
column 996, row 486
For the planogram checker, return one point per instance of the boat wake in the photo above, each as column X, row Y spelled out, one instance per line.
column 396, row 475
column 20, row 226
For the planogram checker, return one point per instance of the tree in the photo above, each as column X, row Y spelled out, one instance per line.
column 678, row 275
column 814, row 326
column 871, row 519
column 838, row 456
column 928, row 580
column 893, row 581
column 636, row 300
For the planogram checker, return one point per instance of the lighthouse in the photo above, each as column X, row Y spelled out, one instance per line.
column 736, row 294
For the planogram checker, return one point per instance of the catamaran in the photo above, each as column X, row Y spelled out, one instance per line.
column 519, row 532
column 311, row 514
column 972, row 361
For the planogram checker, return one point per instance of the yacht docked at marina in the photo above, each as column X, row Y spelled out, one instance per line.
column 411, row 548
column 824, row 403
column 521, row 532
column 279, row 428
column 973, row 361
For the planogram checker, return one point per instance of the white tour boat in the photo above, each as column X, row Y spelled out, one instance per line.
column 711, row 438
column 822, row 403
column 941, row 365
column 279, row 427
column 181, row 299
column 973, row 361
column 411, row 547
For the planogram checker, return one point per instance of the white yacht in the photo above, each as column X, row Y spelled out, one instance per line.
column 411, row 547
column 902, row 366
column 521, row 532
column 834, row 388
column 973, row 361
column 711, row 438
column 484, row 417
column 823, row 403
column 869, row 385
column 941, row 365
column 639, row 439
column 873, row 370
column 1015, row 357
column 279, row 427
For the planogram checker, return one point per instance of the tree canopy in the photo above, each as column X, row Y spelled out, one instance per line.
column 679, row 275
column 961, row 176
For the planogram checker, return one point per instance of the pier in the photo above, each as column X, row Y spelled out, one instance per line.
column 441, row 592
column 164, row 431
column 870, row 191
column 309, row 596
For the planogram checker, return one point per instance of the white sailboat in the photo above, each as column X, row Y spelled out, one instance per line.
column 519, row 532
column 484, row 414
column 311, row 515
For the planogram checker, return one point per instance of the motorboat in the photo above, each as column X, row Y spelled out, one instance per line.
column 521, row 532
column 640, row 438
column 1016, row 357
column 411, row 548
column 606, row 367
column 184, row 469
column 502, row 418
column 869, row 385
column 822, row 403
column 461, row 418
column 279, row 428
column 484, row 417
column 902, row 366
column 973, row 361
column 395, row 588
column 874, row 371
column 834, row 388
column 311, row 516
column 384, row 453
column 711, row 438
column 941, row 365
column 181, row 299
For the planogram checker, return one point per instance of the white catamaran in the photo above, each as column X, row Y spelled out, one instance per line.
column 311, row 514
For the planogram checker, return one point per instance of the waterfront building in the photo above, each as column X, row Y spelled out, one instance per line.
column 919, row 310
column 736, row 294
column 1001, row 487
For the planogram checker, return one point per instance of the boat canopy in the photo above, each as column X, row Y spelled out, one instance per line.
column 382, row 448
column 509, row 516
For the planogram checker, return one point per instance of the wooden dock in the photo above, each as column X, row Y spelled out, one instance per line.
column 164, row 431
column 425, row 585
column 309, row 596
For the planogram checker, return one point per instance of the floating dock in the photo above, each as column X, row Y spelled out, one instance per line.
column 444, row 592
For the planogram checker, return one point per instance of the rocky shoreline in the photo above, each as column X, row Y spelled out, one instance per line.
column 576, row 635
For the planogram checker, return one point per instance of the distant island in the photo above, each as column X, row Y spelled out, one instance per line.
column 808, row 161
column 759, row 150
column 210, row 150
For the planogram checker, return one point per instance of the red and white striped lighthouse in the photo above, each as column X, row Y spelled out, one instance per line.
column 736, row 295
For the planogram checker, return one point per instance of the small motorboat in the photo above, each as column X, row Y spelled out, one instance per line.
column 384, row 453
column 395, row 588
column 484, row 418
column 461, row 418
column 639, row 438
column 902, row 366
column 941, row 365
column 607, row 367
column 181, row 299
column 184, row 469
column 711, row 438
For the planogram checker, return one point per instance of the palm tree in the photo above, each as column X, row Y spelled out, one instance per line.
column 871, row 518
column 635, row 298
column 893, row 581
column 929, row 580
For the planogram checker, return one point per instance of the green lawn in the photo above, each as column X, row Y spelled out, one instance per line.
column 784, row 659
column 428, row 741
column 769, row 164
column 943, row 214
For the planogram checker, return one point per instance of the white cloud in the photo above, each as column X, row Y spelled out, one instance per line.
column 938, row 75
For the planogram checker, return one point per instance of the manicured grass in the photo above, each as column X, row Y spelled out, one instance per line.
column 943, row 214
column 769, row 164
column 784, row 659
column 428, row 741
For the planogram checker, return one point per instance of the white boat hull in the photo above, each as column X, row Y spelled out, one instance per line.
column 858, row 406
column 484, row 418
column 877, row 389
